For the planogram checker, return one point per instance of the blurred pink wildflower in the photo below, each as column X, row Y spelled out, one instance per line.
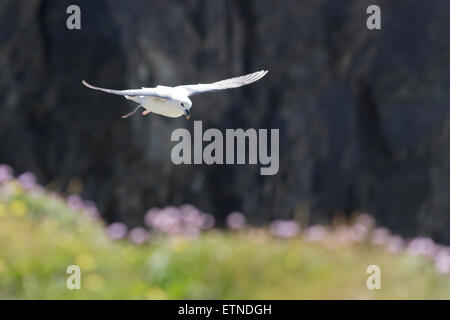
column 27, row 180
column 138, row 235
column 6, row 173
column 74, row 202
column 236, row 221
column 116, row 230
column 284, row 228
column 315, row 233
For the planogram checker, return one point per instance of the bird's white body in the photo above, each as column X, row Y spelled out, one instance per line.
column 174, row 107
column 174, row 101
column 166, row 108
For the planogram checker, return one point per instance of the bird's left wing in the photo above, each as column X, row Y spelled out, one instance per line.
column 132, row 92
column 236, row 82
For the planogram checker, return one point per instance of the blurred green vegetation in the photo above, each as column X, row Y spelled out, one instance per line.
column 40, row 237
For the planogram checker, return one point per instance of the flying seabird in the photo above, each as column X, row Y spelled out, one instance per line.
column 174, row 101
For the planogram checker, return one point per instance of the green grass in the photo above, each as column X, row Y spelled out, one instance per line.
column 40, row 237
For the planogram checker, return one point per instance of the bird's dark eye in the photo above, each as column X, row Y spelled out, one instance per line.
column 182, row 104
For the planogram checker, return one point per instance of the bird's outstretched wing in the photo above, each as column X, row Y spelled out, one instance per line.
column 236, row 82
column 132, row 92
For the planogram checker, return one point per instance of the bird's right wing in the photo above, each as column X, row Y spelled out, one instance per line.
column 235, row 82
column 132, row 92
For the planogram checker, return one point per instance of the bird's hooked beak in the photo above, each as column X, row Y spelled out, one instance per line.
column 187, row 114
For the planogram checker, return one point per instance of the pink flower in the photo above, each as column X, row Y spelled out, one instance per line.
column 116, row 230
column 236, row 220
column 395, row 244
column 422, row 246
column 208, row 221
column 191, row 216
column 90, row 209
column 6, row 173
column 185, row 208
column 366, row 220
column 27, row 180
column 186, row 220
column 166, row 220
column 358, row 232
column 138, row 235
column 284, row 228
column 442, row 261
column 150, row 216
column 315, row 233
column 343, row 234
column 74, row 202
column 380, row 236
column 169, row 220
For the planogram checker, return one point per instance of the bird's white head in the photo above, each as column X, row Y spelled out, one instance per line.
column 186, row 104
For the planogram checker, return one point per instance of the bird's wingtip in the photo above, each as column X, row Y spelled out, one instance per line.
column 264, row 72
column 86, row 84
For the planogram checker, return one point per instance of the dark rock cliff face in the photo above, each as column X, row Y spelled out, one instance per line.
column 363, row 115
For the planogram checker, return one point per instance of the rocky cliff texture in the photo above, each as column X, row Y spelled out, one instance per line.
column 363, row 115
